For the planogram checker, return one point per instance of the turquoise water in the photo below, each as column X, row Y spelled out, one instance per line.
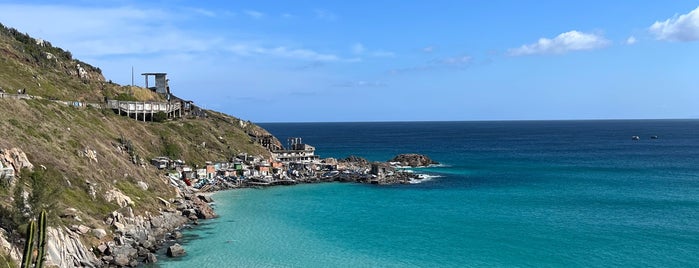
column 555, row 194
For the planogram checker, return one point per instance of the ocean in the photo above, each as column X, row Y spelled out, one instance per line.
column 506, row 194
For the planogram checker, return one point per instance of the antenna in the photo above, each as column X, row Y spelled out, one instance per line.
column 132, row 84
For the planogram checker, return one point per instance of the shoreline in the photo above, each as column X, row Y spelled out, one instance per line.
column 141, row 239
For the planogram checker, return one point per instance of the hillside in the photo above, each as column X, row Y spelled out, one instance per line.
column 82, row 153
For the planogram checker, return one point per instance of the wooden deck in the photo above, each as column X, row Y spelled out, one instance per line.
column 142, row 108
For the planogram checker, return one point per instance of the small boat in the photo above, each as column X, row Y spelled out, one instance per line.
column 635, row 138
column 653, row 137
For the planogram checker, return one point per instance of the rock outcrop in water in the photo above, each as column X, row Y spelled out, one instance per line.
column 413, row 160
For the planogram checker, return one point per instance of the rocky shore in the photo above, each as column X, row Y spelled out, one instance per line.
column 350, row 169
column 134, row 239
column 130, row 240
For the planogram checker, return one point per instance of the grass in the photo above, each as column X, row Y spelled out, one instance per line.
column 53, row 135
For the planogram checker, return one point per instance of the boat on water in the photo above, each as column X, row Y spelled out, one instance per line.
column 653, row 137
column 635, row 138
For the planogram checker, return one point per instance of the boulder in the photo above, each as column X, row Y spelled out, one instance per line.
column 121, row 260
column 69, row 213
column 413, row 160
column 102, row 248
column 176, row 235
column 356, row 159
column 175, row 250
column 99, row 233
column 204, row 211
column 151, row 258
column 205, row 198
column 82, row 229
column 17, row 159
column 118, row 197
column 142, row 185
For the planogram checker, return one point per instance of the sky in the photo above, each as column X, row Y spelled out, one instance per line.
column 336, row 61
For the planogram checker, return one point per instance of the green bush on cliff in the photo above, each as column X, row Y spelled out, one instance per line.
column 160, row 117
column 44, row 186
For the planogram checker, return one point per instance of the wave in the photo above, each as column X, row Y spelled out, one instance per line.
column 433, row 166
column 423, row 178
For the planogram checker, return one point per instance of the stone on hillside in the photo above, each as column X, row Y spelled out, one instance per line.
column 69, row 213
column 413, row 160
column 118, row 197
column 17, row 159
column 102, row 248
column 82, row 229
column 175, row 251
column 99, row 233
column 142, row 185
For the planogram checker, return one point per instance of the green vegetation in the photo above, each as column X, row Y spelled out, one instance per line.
column 6, row 261
column 160, row 116
column 81, row 153
column 35, row 235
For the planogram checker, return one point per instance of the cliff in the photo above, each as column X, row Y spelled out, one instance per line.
column 84, row 164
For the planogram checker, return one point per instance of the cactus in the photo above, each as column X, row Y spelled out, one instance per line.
column 41, row 243
column 29, row 245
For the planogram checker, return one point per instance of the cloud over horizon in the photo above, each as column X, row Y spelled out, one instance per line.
column 561, row 44
column 682, row 28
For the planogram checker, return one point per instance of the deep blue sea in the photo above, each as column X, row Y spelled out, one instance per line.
column 508, row 194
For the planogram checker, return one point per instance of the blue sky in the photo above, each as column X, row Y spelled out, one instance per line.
column 291, row 61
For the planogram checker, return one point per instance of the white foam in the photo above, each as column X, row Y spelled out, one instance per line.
column 432, row 166
column 423, row 178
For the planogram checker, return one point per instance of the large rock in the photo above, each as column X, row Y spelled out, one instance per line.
column 356, row 159
column 99, row 233
column 116, row 196
column 142, row 185
column 204, row 211
column 413, row 160
column 69, row 213
column 64, row 249
column 151, row 258
column 175, row 251
column 205, row 198
column 16, row 158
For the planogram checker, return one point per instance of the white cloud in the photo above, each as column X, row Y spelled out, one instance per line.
column 254, row 14
column 563, row 43
column 428, row 49
column 91, row 32
column 284, row 52
column 683, row 28
column 631, row 40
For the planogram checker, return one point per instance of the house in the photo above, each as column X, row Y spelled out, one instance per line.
column 210, row 171
column 201, row 173
column 297, row 152
column 381, row 170
column 161, row 80
column 161, row 162
column 263, row 168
